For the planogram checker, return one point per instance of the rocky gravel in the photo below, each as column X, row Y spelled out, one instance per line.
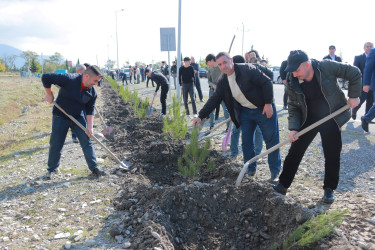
column 152, row 207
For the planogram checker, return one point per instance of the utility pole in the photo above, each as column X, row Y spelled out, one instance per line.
column 243, row 35
column 118, row 68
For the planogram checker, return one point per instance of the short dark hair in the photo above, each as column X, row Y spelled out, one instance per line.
column 222, row 54
column 93, row 70
column 256, row 53
column 332, row 47
column 209, row 57
column 162, row 61
column 238, row 59
column 186, row 59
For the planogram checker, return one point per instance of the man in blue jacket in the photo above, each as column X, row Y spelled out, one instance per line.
column 248, row 95
column 77, row 97
column 369, row 84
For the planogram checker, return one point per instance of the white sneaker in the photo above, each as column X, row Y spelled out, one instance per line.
column 195, row 115
column 187, row 116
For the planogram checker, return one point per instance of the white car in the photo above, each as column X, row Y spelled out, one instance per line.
column 276, row 74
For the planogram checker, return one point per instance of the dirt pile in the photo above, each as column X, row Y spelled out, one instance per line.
column 163, row 209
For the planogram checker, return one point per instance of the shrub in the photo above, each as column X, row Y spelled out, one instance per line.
column 194, row 157
column 175, row 124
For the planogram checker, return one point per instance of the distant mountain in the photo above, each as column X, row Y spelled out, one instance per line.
column 6, row 50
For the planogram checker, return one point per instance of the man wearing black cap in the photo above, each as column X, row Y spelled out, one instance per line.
column 331, row 55
column 314, row 94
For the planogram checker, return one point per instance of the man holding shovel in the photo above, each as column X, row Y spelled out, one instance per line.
column 313, row 94
column 161, row 81
column 77, row 97
column 248, row 95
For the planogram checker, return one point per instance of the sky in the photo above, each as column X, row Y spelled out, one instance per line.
column 86, row 29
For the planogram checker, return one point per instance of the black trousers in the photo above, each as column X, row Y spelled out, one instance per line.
column 148, row 78
column 188, row 89
column 365, row 97
column 198, row 86
column 285, row 98
column 163, row 99
column 332, row 144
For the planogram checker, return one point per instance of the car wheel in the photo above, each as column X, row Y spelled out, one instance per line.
column 279, row 81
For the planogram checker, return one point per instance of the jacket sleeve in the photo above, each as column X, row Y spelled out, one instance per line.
column 264, row 83
column 282, row 70
column 51, row 78
column 369, row 68
column 90, row 106
column 350, row 73
column 294, row 111
column 211, row 103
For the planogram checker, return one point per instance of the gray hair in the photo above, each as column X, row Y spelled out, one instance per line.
column 80, row 67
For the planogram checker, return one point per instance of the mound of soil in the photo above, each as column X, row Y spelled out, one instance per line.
column 163, row 209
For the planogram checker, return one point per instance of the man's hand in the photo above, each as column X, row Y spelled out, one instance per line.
column 292, row 137
column 196, row 121
column 90, row 131
column 155, row 93
column 354, row 102
column 366, row 88
column 214, row 87
column 284, row 81
column 49, row 98
column 268, row 110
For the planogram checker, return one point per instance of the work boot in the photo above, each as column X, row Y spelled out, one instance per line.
column 98, row 172
column 280, row 188
column 328, row 196
column 50, row 175
column 364, row 124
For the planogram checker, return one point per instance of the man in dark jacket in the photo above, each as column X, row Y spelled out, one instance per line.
column 360, row 62
column 174, row 73
column 331, row 55
column 161, row 81
column 314, row 94
column 77, row 97
column 248, row 95
column 369, row 84
column 197, row 81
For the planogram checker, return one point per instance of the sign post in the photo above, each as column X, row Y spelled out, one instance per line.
column 168, row 43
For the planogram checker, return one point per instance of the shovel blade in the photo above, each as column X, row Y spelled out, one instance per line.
column 108, row 132
column 150, row 112
column 125, row 165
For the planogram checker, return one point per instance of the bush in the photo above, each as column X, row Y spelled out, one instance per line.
column 175, row 124
column 194, row 157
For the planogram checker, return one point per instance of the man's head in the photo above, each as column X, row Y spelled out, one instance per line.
column 186, row 61
column 80, row 68
column 300, row 65
column 148, row 72
column 210, row 60
column 332, row 50
column 192, row 59
column 174, row 62
column 225, row 63
column 253, row 57
column 367, row 47
column 263, row 62
column 163, row 63
column 238, row 59
column 247, row 57
column 91, row 76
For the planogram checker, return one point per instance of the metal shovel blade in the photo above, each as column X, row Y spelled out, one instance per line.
column 125, row 165
column 108, row 132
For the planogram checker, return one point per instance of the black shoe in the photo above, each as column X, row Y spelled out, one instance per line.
column 211, row 127
column 202, row 100
column 250, row 172
column 98, row 172
column 75, row 140
column 280, row 188
column 50, row 175
column 285, row 108
column 354, row 115
column 216, row 118
column 364, row 124
column 328, row 196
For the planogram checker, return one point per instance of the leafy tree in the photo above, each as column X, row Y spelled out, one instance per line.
column 110, row 64
column 8, row 61
column 35, row 66
column 202, row 64
column 77, row 62
column 66, row 64
column 2, row 66
column 28, row 56
column 138, row 63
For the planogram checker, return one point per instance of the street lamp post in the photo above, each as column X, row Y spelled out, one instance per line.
column 118, row 68
column 243, row 34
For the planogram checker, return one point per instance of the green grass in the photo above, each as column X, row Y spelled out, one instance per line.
column 313, row 230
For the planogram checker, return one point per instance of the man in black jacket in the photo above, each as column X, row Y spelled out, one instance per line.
column 331, row 55
column 187, row 81
column 248, row 95
column 161, row 81
column 360, row 62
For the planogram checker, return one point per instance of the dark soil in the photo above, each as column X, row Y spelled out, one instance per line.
column 163, row 209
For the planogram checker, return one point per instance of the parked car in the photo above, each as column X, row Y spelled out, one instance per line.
column 276, row 75
column 124, row 71
column 203, row 72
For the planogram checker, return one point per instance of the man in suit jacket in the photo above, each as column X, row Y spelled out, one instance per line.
column 331, row 55
column 360, row 62
column 369, row 84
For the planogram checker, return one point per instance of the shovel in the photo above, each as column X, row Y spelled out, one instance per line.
column 108, row 130
column 150, row 112
column 303, row 131
column 225, row 142
column 123, row 165
column 212, row 130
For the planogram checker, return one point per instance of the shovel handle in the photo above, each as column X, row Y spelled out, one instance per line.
column 92, row 136
column 215, row 128
column 300, row 133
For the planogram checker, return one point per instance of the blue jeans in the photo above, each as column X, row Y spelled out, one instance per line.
column 212, row 114
column 235, row 137
column 250, row 119
column 371, row 113
column 60, row 127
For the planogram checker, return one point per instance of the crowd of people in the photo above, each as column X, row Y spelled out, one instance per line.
column 243, row 87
